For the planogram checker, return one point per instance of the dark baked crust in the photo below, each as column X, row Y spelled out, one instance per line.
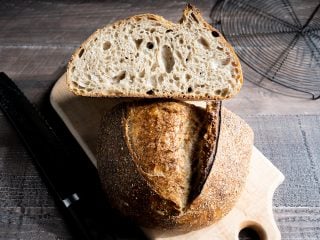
column 207, row 149
column 134, row 195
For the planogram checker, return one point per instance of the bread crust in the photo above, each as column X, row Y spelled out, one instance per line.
column 133, row 195
column 189, row 10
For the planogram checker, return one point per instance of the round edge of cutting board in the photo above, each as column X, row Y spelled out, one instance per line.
column 253, row 209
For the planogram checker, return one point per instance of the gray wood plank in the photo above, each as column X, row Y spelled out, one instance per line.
column 36, row 41
column 294, row 150
column 27, row 211
column 32, row 223
column 34, row 70
column 256, row 100
column 68, row 23
column 298, row 223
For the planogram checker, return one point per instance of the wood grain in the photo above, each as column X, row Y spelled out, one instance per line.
column 38, row 37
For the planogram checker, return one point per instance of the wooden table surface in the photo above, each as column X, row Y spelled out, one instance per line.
column 37, row 39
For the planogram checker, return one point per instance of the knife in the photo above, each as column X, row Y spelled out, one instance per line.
column 70, row 176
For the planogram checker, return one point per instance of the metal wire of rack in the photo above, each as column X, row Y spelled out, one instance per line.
column 279, row 39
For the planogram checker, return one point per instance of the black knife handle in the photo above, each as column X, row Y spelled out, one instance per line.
column 70, row 176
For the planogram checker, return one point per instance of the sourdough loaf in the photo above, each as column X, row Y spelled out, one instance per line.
column 148, row 56
column 154, row 168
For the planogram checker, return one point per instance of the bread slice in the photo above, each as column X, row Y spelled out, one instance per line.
column 149, row 152
column 148, row 56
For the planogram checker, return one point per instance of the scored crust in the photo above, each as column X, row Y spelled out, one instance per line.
column 228, row 85
column 129, row 191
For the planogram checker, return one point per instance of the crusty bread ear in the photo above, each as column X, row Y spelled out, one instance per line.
column 148, row 56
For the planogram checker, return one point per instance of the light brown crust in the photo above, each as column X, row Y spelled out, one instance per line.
column 158, row 135
column 189, row 9
column 131, row 193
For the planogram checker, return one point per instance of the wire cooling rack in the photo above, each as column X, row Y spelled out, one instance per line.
column 279, row 39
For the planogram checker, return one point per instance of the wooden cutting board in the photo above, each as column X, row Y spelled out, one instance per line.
column 254, row 207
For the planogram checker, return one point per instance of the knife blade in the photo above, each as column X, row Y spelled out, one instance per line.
column 70, row 176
